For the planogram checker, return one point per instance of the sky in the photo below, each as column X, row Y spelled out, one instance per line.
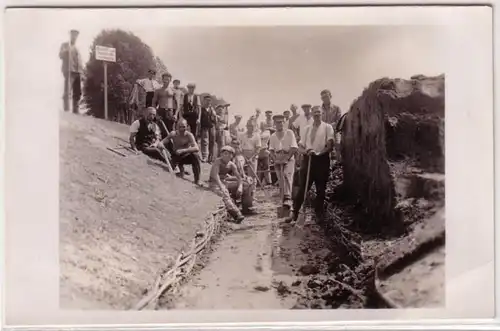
column 266, row 67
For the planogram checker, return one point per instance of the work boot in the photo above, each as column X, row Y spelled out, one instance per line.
column 292, row 218
column 249, row 211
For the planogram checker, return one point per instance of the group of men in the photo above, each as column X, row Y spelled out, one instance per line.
column 174, row 103
column 289, row 145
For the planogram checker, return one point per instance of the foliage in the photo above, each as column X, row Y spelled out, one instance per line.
column 133, row 59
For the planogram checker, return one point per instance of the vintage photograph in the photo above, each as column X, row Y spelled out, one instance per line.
column 266, row 167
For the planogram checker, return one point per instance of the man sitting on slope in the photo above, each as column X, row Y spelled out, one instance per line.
column 145, row 135
column 183, row 150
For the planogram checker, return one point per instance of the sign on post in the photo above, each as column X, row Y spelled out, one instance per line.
column 105, row 54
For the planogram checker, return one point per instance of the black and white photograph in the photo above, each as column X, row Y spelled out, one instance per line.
column 241, row 167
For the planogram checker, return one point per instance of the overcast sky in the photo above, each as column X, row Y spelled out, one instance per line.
column 265, row 67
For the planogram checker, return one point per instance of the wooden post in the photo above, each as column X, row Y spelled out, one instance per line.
column 105, row 90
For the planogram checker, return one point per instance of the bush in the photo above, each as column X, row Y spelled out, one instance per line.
column 133, row 59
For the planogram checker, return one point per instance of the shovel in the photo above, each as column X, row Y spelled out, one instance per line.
column 282, row 211
column 302, row 216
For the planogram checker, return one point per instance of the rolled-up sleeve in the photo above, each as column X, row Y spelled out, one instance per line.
column 134, row 127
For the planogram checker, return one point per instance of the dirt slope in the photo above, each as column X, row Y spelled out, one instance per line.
column 121, row 218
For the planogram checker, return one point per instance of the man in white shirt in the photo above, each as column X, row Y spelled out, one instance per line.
column 234, row 128
column 303, row 120
column 283, row 146
column 316, row 144
column 149, row 85
column 250, row 146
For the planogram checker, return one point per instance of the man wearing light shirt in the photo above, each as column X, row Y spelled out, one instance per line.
column 149, row 85
column 250, row 146
column 302, row 121
column 283, row 146
column 316, row 143
column 164, row 99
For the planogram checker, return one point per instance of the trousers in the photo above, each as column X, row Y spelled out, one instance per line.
column 207, row 142
column 285, row 174
column 73, row 87
column 318, row 174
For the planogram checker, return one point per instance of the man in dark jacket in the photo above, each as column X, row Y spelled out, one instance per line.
column 208, row 120
column 72, row 69
column 145, row 135
column 190, row 110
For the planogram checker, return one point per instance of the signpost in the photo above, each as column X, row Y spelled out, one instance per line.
column 105, row 54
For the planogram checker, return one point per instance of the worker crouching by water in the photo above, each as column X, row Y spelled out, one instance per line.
column 283, row 147
column 226, row 181
column 316, row 144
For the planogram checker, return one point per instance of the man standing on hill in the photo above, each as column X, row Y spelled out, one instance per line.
column 178, row 97
column 190, row 109
column 331, row 114
column 208, row 121
column 250, row 147
column 184, row 150
column 149, row 85
column 72, row 69
column 164, row 99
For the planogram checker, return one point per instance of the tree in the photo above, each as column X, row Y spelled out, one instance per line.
column 133, row 59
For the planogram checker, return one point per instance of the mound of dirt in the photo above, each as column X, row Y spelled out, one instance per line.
column 414, row 113
column 122, row 219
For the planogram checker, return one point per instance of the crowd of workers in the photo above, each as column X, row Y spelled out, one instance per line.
column 285, row 146
column 296, row 148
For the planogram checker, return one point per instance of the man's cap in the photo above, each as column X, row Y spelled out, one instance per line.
column 152, row 70
column 237, row 116
column 176, row 81
column 227, row 148
column 206, row 95
column 219, row 106
column 286, row 111
column 269, row 111
column 315, row 108
column 74, row 31
column 306, row 105
column 151, row 110
column 193, row 85
column 168, row 74
column 325, row 92
column 278, row 117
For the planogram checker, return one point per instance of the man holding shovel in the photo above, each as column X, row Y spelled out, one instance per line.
column 283, row 146
column 316, row 144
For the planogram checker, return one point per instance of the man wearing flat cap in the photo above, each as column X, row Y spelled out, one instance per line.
column 149, row 85
column 235, row 128
column 331, row 114
column 190, row 109
column 283, row 147
column 303, row 120
column 72, row 69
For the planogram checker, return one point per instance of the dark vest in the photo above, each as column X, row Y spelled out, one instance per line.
column 190, row 109
column 145, row 136
column 207, row 120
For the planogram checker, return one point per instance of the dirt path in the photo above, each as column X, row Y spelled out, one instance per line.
column 239, row 272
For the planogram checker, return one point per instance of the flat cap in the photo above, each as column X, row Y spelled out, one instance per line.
column 269, row 111
column 74, row 31
column 237, row 116
column 191, row 85
column 278, row 117
column 306, row 105
column 227, row 148
column 315, row 108
column 286, row 111
column 152, row 70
